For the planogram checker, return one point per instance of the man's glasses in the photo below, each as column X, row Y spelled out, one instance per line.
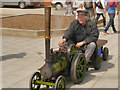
column 82, row 14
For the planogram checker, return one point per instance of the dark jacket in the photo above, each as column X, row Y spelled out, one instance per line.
column 77, row 33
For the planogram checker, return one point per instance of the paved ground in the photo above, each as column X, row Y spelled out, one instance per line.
column 17, row 11
column 20, row 61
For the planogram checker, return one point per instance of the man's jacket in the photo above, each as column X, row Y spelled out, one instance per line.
column 77, row 33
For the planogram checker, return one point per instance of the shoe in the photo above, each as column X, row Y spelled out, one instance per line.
column 105, row 32
column 115, row 32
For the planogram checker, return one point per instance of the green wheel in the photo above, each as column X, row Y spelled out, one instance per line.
column 105, row 53
column 33, row 84
column 78, row 68
column 60, row 83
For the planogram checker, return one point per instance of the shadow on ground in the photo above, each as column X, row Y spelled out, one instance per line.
column 105, row 65
column 11, row 56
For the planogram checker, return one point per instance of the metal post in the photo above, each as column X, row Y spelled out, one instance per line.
column 47, row 31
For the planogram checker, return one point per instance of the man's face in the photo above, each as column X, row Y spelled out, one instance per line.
column 82, row 16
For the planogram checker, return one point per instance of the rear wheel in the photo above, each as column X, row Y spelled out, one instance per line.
column 105, row 53
column 97, row 63
column 78, row 68
column 97, row 60
column 22, row 5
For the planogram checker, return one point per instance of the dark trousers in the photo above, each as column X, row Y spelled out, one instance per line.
column 98, row 16
column 111, row 22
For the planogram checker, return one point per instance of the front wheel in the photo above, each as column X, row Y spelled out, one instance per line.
column 78, row 68
column 33, row 84
column 22, row 5
column 60, row 83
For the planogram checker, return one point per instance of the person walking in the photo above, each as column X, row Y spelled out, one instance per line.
column 111, row 12
column 101, row 10
column 73, row 2
column 69, row 8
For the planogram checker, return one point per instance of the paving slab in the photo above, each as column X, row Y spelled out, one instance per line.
column 109, row 78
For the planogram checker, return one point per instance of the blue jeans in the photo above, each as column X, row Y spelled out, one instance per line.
column 111, row 22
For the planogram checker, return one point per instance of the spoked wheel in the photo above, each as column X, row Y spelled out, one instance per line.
column 105, row 53
column 33, row 84
column 60, row 83
column 78, row 68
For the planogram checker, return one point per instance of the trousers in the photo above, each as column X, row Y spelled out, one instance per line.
column 98, row 16
column 111, row 22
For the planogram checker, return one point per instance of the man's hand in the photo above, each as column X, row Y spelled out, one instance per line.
column 62, row 42
column 79, row 44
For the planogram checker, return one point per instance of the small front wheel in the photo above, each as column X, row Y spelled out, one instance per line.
column 33, row 84
column 60, row 83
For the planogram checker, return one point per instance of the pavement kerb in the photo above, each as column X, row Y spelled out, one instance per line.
column 16, row 15
column 32, row 33
column 28, row 33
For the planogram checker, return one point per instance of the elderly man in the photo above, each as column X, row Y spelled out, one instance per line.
column 82, row 32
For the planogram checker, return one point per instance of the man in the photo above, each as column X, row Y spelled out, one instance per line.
column 83, row 33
